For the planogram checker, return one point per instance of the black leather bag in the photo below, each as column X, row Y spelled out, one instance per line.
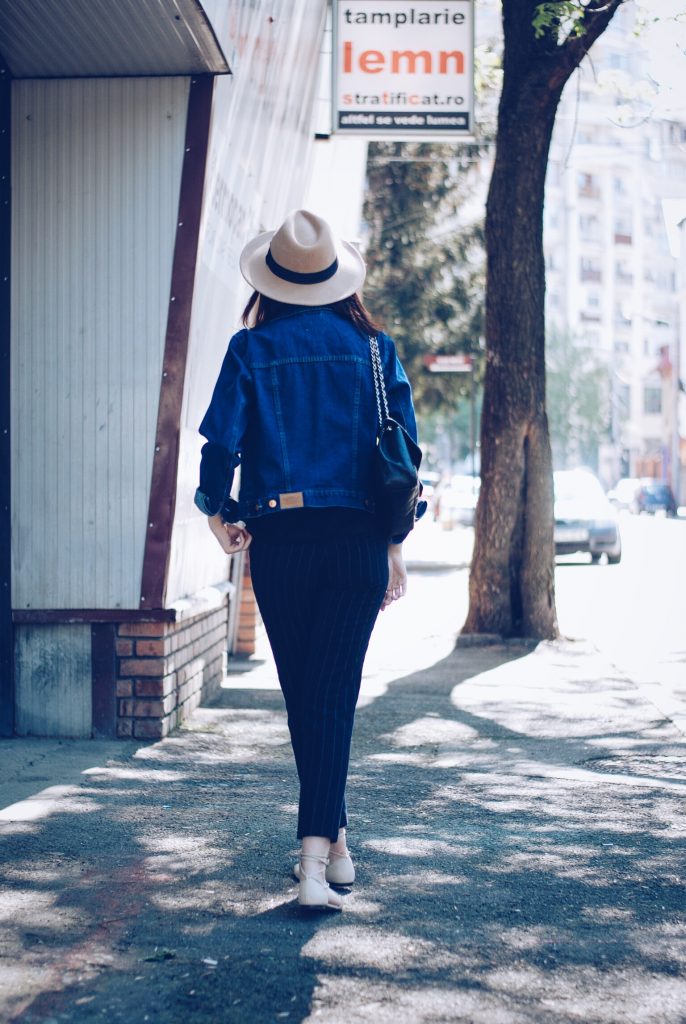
column 398, row 458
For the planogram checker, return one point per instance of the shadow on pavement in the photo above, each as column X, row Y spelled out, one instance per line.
column 518, row 825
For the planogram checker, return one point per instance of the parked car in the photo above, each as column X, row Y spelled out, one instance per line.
column 584, row 518
column 654, row 496
column 430, row 481
column 457, row 506
column 623, row 493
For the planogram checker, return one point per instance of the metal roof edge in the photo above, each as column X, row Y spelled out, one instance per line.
column 226, row 70
column 149, row 38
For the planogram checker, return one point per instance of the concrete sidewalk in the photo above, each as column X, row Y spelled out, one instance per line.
column 518, row 821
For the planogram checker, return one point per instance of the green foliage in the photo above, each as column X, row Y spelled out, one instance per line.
column 425, row 258
column 446, row 435
column 425, row 252
column 578, row 401
column 561, row 17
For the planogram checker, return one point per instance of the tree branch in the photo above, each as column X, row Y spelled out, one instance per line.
column 597, row 16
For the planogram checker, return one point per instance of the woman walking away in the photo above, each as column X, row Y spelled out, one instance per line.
column 295, row 404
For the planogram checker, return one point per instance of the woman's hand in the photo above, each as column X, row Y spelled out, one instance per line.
column 232, row 537
column 397, row 576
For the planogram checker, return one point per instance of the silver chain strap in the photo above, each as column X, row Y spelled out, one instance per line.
column 379, row 383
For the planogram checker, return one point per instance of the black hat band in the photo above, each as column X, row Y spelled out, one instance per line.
column 297, row 278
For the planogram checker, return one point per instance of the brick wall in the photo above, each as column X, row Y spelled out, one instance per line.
column 165, row 669
column 248, row 615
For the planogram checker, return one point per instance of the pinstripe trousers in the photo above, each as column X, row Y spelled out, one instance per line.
column 319, row 600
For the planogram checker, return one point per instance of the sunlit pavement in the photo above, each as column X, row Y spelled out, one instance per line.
column 635, row 612
column 430, row 544
column 517, row 817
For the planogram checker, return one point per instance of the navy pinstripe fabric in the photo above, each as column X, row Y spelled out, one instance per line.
column 319, row 600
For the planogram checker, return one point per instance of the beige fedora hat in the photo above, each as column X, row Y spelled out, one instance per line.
column 302, row 262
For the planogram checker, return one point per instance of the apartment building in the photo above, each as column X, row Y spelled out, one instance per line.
column 612, row 279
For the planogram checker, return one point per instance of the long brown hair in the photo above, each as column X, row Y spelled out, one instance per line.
column 261, row 309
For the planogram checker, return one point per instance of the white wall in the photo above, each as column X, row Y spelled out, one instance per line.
column 336, row 188
column 258, row 167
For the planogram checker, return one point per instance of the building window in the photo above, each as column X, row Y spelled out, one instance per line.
column 589, row 228
column 623, row 231
column 591, row 269
column 623, row 400
column 623, row 273
column 593, row 300
column 652, row 399
column 589, row 187
column 622, row 315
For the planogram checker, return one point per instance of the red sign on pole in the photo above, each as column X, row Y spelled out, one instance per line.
column 448, row 364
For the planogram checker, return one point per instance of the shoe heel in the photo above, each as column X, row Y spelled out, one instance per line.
column 312, row 893
column 340, row 870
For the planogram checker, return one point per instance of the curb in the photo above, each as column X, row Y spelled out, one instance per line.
column 466, row 640
column 415, row 565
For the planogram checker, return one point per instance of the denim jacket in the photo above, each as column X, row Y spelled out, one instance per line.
column 294, row 404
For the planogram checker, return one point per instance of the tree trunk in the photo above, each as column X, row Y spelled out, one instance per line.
column 512, row 587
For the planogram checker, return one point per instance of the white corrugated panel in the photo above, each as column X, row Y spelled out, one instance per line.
column 96, row 174
column 258, row 166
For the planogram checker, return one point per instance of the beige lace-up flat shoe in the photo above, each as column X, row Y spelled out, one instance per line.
column 339, row 871
column 314, row 892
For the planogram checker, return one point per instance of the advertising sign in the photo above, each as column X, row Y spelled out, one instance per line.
column 404, row 68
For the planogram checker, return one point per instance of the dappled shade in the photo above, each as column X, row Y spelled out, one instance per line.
column 519, row 847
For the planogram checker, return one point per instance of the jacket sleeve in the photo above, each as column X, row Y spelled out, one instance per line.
column 224, row 426
column 398, row 389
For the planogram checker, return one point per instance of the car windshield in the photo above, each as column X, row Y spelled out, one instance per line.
column 572, row 485
column 466, row 484
column 660, row 491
